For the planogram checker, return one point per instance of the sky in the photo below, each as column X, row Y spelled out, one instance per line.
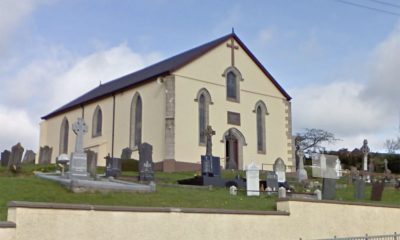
column 338, row 59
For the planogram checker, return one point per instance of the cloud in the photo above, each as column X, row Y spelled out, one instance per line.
column 12, row 14
column 17, row 126
column 56, row 77
column 265, row 36
column 354, row 109
column 384, row 79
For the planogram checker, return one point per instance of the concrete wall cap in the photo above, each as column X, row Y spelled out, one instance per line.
column 42, row 205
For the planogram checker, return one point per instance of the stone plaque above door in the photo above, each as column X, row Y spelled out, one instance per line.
column 234, row 118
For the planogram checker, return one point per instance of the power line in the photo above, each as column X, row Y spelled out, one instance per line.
column 386, row 3
column 367, row 7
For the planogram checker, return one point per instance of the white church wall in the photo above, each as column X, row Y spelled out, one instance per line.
column 206, row 72
column 50, row 132
column 153, row 124
column 153, row 98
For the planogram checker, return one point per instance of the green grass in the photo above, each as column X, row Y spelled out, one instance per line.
column 26, row 187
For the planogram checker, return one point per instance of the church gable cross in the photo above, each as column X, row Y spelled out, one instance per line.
column 233, row 48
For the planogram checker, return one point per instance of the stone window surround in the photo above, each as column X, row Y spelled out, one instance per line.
column 132, row 121
column 97, row 111
column 239, row 78
column 208, row 102
column 64, row 130
column 264, row 111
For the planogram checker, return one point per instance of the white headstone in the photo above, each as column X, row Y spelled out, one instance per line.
column 282, row 192
column 233, row 190
column 253, row 180
column 338, row 168
column 319, row 194
column 280, row 170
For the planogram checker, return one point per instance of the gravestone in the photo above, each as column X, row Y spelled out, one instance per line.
column 5, row 158
column 328, row 189
column 29, row 157
column 318, row 194
column 146, row 165
column 371, row 167
column 210, row 165
column 252, row 180
column 359, row 188
column 91, row 163
column 282, row 192
column 354, row 173
column 78, row 163
column 301, row 172
column 233, row 190
column 280, row 170
column 14, row 164
column 126, row 153
column 365, row 150
column 377, row 189
column 272, row 180
column 318, row 165
column 338, row 168
column 113, row 166
column 45, row 155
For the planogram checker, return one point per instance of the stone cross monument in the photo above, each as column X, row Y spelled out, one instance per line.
column 209, row 132
column 301, row 172
column 365, row 150
column 78, row 168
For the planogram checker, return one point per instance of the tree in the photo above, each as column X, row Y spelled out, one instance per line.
column 392, row 145
column 313, row 138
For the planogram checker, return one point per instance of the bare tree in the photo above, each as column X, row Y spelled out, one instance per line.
column 312, row 138
column 392, row 145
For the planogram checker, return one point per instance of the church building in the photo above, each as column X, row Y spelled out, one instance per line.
column 170, row 104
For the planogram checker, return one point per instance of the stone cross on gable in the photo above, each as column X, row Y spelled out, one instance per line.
column 209, row 132
column 232, row 47
column 79, row 128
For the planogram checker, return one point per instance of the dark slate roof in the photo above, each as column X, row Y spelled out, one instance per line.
column 162, row 68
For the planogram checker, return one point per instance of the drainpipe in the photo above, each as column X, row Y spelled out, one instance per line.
column 113, row 128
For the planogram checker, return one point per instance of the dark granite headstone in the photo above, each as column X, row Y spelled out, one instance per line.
column 5, row 158
column 328, row 189
column 272, row 181
column 14, row 164
column 210, row 166
column 113, row 166
column 359, row 188
column 146, row 165
column 45, row 155
column 126, row 153
column 29, row 157
column 91, row 162
column 377, row 189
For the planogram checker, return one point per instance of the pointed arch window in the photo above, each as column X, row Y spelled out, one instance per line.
column 64, row 130
column 136, row 121
column 232, row 79
column 204, row 100
column 97, row 122
column 261, row 111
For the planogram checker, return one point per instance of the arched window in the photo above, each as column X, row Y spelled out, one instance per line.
column 204, row 100
column 97, row 122
column 261, row 111
column 233, row 78
column 136, row 121
column 64, row 129
column 231, row 86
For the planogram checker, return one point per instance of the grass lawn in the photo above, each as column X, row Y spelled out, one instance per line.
column 26, row 187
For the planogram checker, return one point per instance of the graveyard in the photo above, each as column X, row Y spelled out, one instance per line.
column 127, row 185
